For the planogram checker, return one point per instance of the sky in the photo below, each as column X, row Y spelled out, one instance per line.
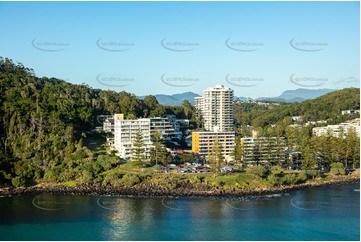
column 259, row 49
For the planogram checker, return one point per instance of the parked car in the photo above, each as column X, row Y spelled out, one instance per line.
column 226, row 169
column 192, row 169
column 185, row 171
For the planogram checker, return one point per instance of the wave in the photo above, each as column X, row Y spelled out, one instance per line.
column 274, row 195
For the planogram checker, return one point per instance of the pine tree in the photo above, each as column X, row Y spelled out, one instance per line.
column 238, row 151
column 215, row 156
column 138, row 149
column 352, row 148
column 156, row 153
column 308, row 155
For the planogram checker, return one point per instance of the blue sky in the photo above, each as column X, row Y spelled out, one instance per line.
column 256, row 48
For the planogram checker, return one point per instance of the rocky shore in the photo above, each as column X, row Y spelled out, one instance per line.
column 156, row 190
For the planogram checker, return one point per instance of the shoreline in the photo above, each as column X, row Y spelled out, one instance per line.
column 142, row 191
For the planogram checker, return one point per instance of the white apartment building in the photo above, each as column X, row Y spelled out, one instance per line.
column 125, row 132
column 349, row 112
column 335, row 130
column 216, row 108
column 163, row 126
column 108, row 125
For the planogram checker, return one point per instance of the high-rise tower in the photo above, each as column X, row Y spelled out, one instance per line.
column 216, row 108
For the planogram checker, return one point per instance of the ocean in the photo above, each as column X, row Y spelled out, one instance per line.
column 322, row 213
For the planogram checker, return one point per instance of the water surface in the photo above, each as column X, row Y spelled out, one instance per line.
column 329, row 213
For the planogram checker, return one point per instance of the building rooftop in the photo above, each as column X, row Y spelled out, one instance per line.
column 218, row 87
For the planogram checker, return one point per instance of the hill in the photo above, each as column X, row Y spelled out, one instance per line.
column 175, row 99
column 298, row 95
column 326, row 107
column 43, row 122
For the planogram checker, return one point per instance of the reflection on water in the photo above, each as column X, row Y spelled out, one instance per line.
column 300, row 215
column 118, row 216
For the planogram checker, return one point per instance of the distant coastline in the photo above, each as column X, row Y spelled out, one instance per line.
column 149, row 190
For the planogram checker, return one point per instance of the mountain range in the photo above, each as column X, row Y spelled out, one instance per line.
column 297, row 95
column 175, row 99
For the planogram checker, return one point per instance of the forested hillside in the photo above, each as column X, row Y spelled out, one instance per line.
column 43, row 121
column 327, row 107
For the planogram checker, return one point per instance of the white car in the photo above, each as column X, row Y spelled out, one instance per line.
column 226, row 169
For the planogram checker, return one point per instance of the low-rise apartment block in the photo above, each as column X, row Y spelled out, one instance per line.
column 203, row 141
column 263, row 150
column 125, row 132
column 349, row 112
column 338, row 129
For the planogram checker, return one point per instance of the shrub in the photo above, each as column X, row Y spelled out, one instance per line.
column 302, row 176
column 277, row 170
column 311, row 173
column 258, row 171
column 144, row 177
column 274, row 180
column 289, row 179
column 130, row 179
column 113, row 178
column 86, row 177
column 337, row 168
column 105, row 162
column 18, row 181
column 53, row 175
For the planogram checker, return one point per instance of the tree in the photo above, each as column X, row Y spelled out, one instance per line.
column 323, row 145
column 337, row 168
column 308, row 156
column 131, row 116
column 157, row 145
column 245, row 120
column 352, row 148
column 216, row 156
column 151, row 103
column 238, row 151
column 188, row 109
column 258, row 171
column 292, row 135
column 138, row 149
column 257, row 149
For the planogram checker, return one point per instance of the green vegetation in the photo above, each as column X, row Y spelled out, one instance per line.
column 159, row 153
column 43, row 122
column 337, row 168
column 138, row 149
column 216, row 158
column 46, row 126
column 327, row 107
column 248, row 179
